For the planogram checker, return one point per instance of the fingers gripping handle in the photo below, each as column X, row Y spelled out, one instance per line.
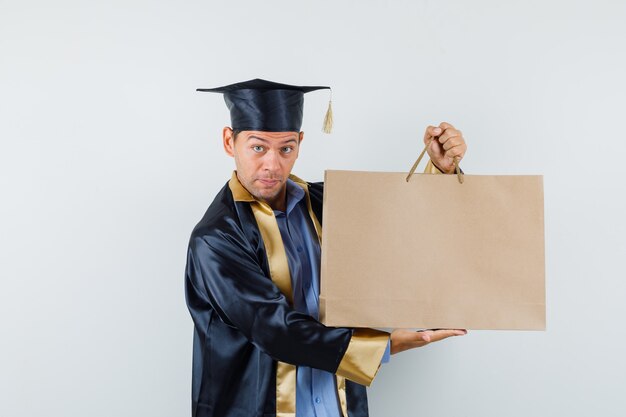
column 459, row 174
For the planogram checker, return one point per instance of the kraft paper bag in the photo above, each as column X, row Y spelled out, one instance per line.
column 432, row 252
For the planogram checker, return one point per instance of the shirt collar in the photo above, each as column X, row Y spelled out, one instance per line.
column 295, row 194
column 296, row 190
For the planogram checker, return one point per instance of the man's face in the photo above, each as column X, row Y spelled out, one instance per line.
column 264, row 161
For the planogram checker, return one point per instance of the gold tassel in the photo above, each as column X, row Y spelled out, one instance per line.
column 328, row 119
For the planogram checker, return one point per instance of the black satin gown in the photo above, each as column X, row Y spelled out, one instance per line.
column 243, row 323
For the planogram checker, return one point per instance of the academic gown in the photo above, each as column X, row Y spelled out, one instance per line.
column 244, row 325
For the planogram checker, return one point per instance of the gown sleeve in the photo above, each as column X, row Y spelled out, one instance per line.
column 224, row 276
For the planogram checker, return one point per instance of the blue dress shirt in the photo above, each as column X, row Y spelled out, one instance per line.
column 316, row 391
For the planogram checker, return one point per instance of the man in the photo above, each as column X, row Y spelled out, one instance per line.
column 252, row 277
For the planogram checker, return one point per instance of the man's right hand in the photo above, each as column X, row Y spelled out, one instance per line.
column 402, row 340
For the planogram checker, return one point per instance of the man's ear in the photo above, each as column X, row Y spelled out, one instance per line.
column 301, row 138
column 228, row 139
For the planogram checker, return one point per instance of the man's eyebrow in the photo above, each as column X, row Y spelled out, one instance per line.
column 257, row 138
column 290, row 140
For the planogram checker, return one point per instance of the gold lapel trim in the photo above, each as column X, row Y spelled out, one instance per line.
column 341, row 393
column 274, row 248
column 238, row 190
column 285, row 390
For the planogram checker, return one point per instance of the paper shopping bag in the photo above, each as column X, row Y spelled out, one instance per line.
column 432, row 252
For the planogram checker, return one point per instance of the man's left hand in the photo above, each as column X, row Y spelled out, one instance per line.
column 402, row 339
column 446, row 144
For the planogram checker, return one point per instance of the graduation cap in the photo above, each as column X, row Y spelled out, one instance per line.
column 268, row 106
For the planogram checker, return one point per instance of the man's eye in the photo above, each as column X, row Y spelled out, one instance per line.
column 257, row 148
column 287, row 149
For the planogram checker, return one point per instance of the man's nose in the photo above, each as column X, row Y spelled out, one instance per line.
column 271, row 161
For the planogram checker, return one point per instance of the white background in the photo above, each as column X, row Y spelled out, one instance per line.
column 108, row 158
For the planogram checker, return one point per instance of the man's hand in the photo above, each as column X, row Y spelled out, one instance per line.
column 402, row 340
column 446, row 143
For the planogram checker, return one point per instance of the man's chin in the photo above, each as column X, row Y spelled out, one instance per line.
column 267, row 194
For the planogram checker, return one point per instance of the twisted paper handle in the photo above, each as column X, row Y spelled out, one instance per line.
column 459, row 174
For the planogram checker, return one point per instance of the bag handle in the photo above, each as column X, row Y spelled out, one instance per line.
column 459, row 174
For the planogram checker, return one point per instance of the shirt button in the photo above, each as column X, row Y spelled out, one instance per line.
column 318, row 400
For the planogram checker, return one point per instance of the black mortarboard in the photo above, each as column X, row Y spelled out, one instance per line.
column 267, row 106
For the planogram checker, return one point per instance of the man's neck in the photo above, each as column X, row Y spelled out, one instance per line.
column 279, row 203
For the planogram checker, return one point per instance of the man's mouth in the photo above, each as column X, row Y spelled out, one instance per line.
column 268, row 182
